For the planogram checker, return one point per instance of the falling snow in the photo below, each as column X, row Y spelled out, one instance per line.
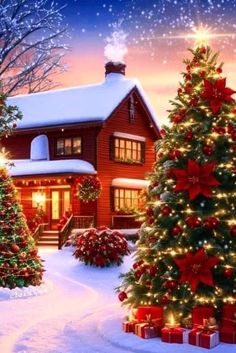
column 150, row 23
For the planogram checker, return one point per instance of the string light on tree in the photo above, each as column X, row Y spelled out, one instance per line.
column 194, row 225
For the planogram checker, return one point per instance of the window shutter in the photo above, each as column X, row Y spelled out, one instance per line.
column 143, row 152
column 112, row 148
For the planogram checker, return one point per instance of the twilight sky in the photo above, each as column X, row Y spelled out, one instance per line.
column 157, row 33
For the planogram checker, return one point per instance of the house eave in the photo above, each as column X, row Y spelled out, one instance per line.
column 40, row 129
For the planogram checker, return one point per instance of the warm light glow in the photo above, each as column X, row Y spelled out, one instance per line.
column 3, row 159
column 172, row 320
column 39, row 198
column 202, row 35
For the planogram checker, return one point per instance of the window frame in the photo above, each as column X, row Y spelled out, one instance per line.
column 127, row 148
column 134, row 205
column 64, row 138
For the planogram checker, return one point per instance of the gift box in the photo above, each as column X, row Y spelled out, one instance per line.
column 228, row 316
column 155, row 312
column 129, row 326
column 227, row 335
column 201, row 313
column 203, row 338
column 174, row 335
column 146, row 330
column 209, row 339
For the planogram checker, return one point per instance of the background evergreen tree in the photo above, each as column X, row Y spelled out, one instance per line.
column 186, row 251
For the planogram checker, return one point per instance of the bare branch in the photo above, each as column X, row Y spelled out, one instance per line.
column 31, row 44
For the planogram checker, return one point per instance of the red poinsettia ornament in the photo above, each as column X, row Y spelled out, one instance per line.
column 196, row 268
column 216, row 93
column 197, row 179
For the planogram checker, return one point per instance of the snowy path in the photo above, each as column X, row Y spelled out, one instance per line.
column 38, row 324
column 79, row 314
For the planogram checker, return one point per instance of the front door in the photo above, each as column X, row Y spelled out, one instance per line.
column 60, row 203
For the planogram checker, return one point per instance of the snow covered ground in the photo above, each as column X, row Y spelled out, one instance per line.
column 77, row 312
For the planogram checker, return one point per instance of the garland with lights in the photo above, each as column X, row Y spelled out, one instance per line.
column 186, row 253
column 89, row 188
column 20, row 265
column 101, row 247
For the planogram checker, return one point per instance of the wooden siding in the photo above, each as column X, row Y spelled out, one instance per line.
column 18, row 145
column 108, row 169
column 96, row 150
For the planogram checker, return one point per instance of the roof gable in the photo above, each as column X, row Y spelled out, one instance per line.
column 83, row 104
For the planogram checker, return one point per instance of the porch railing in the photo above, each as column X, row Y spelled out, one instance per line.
column 38, row 232
column 83, row 222
column 65, row 232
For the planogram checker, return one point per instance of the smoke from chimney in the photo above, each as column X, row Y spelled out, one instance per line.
column 116, row 48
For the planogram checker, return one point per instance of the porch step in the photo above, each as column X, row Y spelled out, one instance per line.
column 48, row 238
column 47, row 243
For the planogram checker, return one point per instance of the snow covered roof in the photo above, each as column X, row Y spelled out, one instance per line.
column 130, row 183
column 24, row 167
column 78, row 104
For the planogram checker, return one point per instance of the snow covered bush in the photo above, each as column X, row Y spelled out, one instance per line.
column 101, row 247
column 72, row 239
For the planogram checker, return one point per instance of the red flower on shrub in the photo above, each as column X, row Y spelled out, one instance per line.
column 101, row 247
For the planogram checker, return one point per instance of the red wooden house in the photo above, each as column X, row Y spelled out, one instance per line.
column 105, row 129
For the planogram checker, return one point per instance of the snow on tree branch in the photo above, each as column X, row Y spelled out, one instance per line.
column 32, row 45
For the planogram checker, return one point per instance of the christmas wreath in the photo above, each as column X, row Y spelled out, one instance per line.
column 89, row 188
column 101, row 247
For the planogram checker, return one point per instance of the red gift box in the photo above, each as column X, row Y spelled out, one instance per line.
column 209, row 339
column 228, row 316
column 155, row 312
column 201, row 313
column 146, row 330
column 227, row 335
column 128, row 326
column 203, row 338
column 174, row 335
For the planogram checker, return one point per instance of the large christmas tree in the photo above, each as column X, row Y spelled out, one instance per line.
column 20, row 265
column 186, row 251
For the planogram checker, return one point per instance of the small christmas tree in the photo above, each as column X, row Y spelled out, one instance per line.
column 20, row 266
column 186, row 252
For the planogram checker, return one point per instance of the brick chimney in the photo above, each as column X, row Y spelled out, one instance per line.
column 113, row 67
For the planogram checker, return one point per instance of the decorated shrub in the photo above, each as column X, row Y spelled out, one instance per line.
column 72, row 239
column 89, row 188
column 101, row 247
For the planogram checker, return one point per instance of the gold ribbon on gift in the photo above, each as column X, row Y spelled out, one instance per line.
column 152, row 322
column 207, row 326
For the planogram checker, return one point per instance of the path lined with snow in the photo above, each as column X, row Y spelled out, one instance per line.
column 79, row 314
